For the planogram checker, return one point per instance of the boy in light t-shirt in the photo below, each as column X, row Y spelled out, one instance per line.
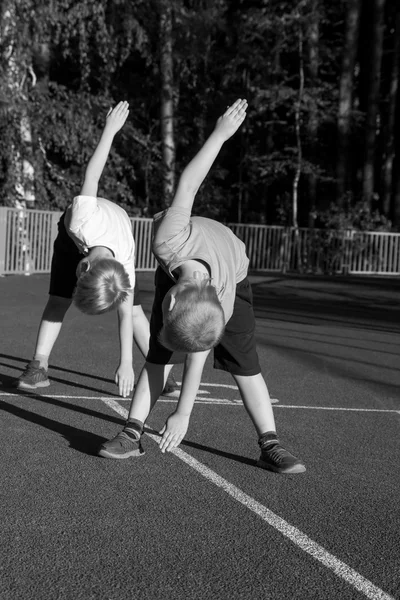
column 93, row 265
column 203, row 300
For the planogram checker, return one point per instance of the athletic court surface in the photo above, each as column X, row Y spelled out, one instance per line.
column 203, row 521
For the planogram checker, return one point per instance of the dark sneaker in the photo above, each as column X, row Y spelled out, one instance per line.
column 170, row 385
column 275, row 458
column 33, row 377
column 122, row 446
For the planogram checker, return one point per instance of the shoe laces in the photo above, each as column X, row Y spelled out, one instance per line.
column 31, row 369
column 276, row 452
column 126, row 440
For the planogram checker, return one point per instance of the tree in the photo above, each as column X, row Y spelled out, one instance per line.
column 393, row 99
column 17, row 76
column 167, row 99
column 349, row 54
column 373, row 100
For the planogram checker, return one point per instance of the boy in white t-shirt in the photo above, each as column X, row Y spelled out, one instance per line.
column 93, row 265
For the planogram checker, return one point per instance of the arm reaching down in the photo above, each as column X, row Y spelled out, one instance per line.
column 177, row 423
column 124, row 375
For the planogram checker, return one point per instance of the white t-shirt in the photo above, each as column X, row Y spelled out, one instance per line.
column 91, row 221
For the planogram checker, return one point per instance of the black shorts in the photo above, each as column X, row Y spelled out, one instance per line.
column 66, row 257
column 236, row 352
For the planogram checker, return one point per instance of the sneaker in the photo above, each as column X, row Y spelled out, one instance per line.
column 122, row 446
column 170, row 385
column 34, row 376
column 275, row 458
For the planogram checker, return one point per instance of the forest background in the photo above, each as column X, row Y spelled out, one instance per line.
column 321, row 143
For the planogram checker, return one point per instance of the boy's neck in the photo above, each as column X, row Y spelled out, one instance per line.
column 188, row 269
column 100, row 252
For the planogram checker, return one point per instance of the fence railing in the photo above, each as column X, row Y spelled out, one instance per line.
column 27, row 236
column 302, row 250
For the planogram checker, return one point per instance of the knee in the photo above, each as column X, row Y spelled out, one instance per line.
column 56, row 307
column 138, row 314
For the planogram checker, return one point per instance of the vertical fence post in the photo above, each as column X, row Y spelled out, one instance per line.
column 3, row 224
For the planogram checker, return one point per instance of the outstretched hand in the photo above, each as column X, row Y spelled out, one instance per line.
column 125, row 379
column 117, row 116
column 173, row 431
column 232, row 119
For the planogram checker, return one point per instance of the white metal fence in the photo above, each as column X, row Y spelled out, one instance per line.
column 27, row 236
column 285, row 249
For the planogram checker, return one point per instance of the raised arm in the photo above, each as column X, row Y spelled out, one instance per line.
column 196, row 171
column 115, row 119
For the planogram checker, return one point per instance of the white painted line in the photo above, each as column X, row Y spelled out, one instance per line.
column 296, row 536
column 170, row 398
column 207, row 401
column 113, row 404
column 220, row 385
column 340, row 408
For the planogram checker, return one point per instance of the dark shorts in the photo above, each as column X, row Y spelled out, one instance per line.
column 235, row 353
column 66, row 257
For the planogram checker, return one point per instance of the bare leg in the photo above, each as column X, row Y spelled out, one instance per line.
column 141, row 336
column 35, row 373
column 257, row 402
column 50, row 325
column 141, row 330
column 148, row 389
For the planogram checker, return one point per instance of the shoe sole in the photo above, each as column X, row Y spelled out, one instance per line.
column 288, row 471
column 26, row 386
column 106, row 454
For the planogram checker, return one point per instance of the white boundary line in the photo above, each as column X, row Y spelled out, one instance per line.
column 296, row 536
column 169, row 398
column 208, row 400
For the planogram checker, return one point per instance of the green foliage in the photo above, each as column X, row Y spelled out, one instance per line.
column 360, row 217
column 75, row 58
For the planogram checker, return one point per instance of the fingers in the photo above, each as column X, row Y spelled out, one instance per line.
column 169, row 441
column 125, row 386
column 238, row 108
column 120, row 111
column 122, row 107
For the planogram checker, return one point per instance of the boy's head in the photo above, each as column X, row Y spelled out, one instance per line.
column 193, row 317
column 102, row 285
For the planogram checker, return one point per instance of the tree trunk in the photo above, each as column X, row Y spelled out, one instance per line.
column 312, row 126
column 373, row 100
column 389, row 153
column 17, row 68
column 395, row 212
column 167, row 101
column 343, row 168
column 297, row 128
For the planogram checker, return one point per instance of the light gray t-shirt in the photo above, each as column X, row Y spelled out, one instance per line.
column 92, row 221
column 178, row 237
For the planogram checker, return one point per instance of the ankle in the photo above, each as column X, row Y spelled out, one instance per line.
column 134, row 428
column 43, row 360
column 267, row 439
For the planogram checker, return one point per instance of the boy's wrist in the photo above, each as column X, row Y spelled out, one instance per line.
column 109, row 131
column 183, row 413
column 219, row 136
column 125, row 361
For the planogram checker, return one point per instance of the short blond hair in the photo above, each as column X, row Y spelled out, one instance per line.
column 102, row 288
column 196, row 322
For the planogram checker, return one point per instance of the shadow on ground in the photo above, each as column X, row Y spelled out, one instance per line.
column 371, row 303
